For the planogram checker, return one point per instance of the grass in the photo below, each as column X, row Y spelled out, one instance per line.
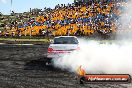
column 25, row 41
column 15, row 39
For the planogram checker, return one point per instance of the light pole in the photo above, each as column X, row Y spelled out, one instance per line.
column 11, row 7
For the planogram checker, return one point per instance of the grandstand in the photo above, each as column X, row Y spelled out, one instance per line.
column 83, row 19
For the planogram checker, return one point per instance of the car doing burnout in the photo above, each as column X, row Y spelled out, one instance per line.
column 61, row 46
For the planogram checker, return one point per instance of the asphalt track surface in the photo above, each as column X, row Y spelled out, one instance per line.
column 23, row 66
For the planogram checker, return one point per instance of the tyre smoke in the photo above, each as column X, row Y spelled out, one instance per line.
column 96, row 57
column 113, row 57
column 124, row 23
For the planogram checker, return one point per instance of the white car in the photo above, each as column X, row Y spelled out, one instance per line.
column 61, row 46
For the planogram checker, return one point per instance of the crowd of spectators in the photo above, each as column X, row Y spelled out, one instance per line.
column 73, row 19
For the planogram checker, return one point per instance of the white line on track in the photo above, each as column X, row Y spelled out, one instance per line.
column 23, row 44
column 2, row 43
column 15, row 44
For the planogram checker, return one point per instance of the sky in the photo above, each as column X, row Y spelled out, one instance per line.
column 20, row 6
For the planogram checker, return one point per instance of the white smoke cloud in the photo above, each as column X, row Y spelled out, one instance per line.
column 3, row 1
column 126, row 16
column 112, row 58
column 99, row 58
column 126, row 21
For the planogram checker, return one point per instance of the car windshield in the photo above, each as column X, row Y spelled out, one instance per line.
column 65, row 40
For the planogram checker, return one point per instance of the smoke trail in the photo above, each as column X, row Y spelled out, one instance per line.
column 104, row 58
column 99, row 58
column 125, row 20
column 126, row 16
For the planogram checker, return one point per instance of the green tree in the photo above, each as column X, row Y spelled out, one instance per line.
column 1, row 14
